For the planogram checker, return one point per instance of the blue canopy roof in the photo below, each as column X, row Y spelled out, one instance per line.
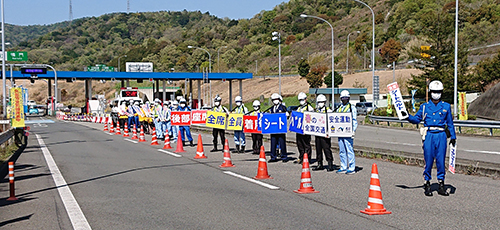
column 81, row 75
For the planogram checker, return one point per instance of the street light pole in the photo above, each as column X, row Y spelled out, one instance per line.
column 333, row 60
column 347, row 63
column 4, row 99
column 119, row 62
column 456, row 62
column 218, row 60
column 209, row 67
column 373, row 49
column 277, row 36
column 55, row 88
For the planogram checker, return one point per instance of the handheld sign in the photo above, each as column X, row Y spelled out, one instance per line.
column 296, row 122
column 315, row 124
column 216, row 120
column 397, row 100
column 235, row 122
column 453, row 157
column 198, row 116
column 251, row 124
column 274, row 123
column 181, row 118
column 340, row 124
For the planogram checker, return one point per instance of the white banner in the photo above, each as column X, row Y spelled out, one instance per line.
column 315, row 124
column 397, row 100
column 340, row 124
column 453, row 157
column 139, row 66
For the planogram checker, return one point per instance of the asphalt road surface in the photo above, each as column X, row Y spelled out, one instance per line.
column 119, row 184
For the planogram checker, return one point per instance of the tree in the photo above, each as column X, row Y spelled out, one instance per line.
column 486, row 72
column 315, row 77
column 303, row 68
column 339, row 79
column 390, row 51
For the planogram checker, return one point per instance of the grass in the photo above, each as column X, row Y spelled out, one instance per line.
column 6, row 152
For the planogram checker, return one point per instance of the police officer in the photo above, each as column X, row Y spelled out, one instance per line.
column 239, row 136
column 303, row 141
column 276, row 139
column 323, row 144
column 256, row 137
column 346, row 150
column 183, row 107
column 130, row 114
column 438, row 123
column 218, row 107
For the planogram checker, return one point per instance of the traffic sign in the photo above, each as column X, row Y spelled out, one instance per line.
column 17, row 56
column 100, row 68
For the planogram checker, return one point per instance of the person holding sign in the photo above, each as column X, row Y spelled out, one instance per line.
column 256, row 137
column 174, row 128
column 323, row 144
column 220, row 132
column 276, row 139
column 303, row 141
column 346, row 150
column 183, row 107
column 239, row 136
column 438, row 125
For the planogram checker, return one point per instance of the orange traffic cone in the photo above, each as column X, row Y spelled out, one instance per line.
column 118, row 130
column 154, row 141
column 200, row 154
column 111, row 129
column 227, row 156
column 167, row 142
column 141, row 135
column 375, row 204
column 134, row 133
column 305, row 180
column 262, row 170
column 180, row 146
column 105, row 126
column 125, row 130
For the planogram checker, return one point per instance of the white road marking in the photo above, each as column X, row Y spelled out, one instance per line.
column 170, row 153
column 135, row 142
column 74, row 211
column 111, row 134
column 397, row 143
column 478, row 151
column 252, row 180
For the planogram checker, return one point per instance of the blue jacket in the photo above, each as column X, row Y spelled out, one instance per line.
column 435, row 115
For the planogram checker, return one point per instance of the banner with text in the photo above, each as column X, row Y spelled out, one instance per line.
column 216, row 120
column 462, row 107
column 181, row 118
column 315, row 124
column 296, row 121
column 274, row 123
column 453, row 157
column 235, row 122
column 198, row 116
column 340, row 124
column 251, row 124
column 17, row 107
column 397, row 99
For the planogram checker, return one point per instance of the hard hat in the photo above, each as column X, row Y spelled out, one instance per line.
column 302, row 96
column 344, row 93
column 136, row 103
column 238, row 98
column 256, row 103
column 435, row 86
column 275, row 96
column 321, row 98
column 175, row 102
column 157, row 100
column 130, row 100
column 217, row 98
column 183, row 100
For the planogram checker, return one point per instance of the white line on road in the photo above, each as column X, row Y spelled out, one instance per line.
column 478, row 151
column 397, row 143
column 111, row 134
column 170, row 153
column 74, row 211
column 252, row 180
column 135, row 142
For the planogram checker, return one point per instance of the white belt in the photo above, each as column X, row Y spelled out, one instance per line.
column 436, row 128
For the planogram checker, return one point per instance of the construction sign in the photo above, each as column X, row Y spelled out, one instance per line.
column 216, row 120
column 235, row 122
column 181, row 118
column 251, row 124
column 17, row 107
column 198, row 116
column 462, row 106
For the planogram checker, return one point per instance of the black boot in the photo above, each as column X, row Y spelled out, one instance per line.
column 242, row 150
column 214, row 149
column 330, row 166
column 427, row 188
column 237, row 150
column 442, row 190
column 319, row 167
column 183, row 143
column 191, row 143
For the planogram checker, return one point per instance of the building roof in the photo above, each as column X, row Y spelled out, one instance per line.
column 83, row 75
column 328, row 91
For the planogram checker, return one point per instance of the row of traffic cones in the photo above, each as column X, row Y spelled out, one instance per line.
column 375, row 203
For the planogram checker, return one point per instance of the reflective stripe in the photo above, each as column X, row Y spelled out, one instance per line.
column 305, row 170
column 374, row 187
column 374, row 200
column 199, row 153
column 11, row 166
column 11, row 178
column 305, row 180
column 375, row 176
column 227, row 158
column 307, row 185
column 262, row 159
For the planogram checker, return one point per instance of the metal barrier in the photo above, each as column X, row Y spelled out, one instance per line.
column 5, row 136
column 458, row 123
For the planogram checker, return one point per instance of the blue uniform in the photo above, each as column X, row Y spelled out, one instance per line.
column 239, row 136
column 278, row 138
column 436, row 117
column 185, row 128
column 346, row 150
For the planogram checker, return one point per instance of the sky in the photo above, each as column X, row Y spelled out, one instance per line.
column 41, row 12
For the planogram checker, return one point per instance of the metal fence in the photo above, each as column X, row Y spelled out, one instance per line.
column 458, row 123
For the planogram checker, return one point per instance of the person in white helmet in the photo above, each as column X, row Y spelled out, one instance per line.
column 184, row 107
column 218, row 107
column 303, row 140
column 174, row 129
column 438, row 126
column 130, row 114
column 156, row 115
column 323, row 144
column 276, row 139
column 346, row 150
column 256, row 137
column 239, row 136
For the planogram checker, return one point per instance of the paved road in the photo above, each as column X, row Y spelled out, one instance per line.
column 123, row 185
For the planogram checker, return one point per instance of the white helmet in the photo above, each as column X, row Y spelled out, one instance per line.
column 344, row 93
column 275, row 96
column 136, row 103
column 435, row 86
column 256, row 103
column 238, row 98
column 175, row 102
column 321, row 98
column 302, row 96
column 183, row 100
column 217, row 98
column 157, row 100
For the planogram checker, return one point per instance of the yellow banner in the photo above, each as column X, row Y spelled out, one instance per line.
column 17, row 107
column 462, row 106
column 235, row 122
column 389, row 104
column 216, row 120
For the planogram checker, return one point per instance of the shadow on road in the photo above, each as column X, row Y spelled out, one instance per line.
column 16, row 220
column 434, row 187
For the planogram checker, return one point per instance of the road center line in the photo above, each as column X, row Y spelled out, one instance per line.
column 397, row 143
column 478, row 151
column 252, row 180
column 169, row 153
column 74, row 211
column 135, row 142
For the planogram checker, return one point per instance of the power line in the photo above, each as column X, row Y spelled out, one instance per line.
column 128, row 6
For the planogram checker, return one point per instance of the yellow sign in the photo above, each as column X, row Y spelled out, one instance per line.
column 425, row 48
column 17, row 107
column 389, row 104
column 235, row 122
column 462, row 106
column 216, row 120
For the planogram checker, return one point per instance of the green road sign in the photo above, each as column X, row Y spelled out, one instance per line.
column 100, row 68
column 17, row 56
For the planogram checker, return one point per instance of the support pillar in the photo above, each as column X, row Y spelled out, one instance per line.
column 164, row 98
column 230, row 95
column 123, row 83
column 199, row 94
column 49, row 85
column 157, row 82
column 190, row 96
column 241, row 88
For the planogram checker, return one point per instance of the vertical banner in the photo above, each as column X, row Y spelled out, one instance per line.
column 198, row 116
column 389, row 104
column 340, row 124
column 462, row 106
column 398, row 100
column 413, row 99
column 453, row 157
column 25, row 99
column 315, row 124
column 216, row 120
column 251, row 124
column 17, row 107
column 274, row 123
column 235, row 122
column 296, row 121
column 181, row 118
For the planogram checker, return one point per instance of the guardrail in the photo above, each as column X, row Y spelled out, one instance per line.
column 6, row 135
column 458, row 123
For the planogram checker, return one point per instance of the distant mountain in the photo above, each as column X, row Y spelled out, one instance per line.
column 16, row 34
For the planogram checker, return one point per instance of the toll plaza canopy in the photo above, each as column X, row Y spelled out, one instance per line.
column 83, row 75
